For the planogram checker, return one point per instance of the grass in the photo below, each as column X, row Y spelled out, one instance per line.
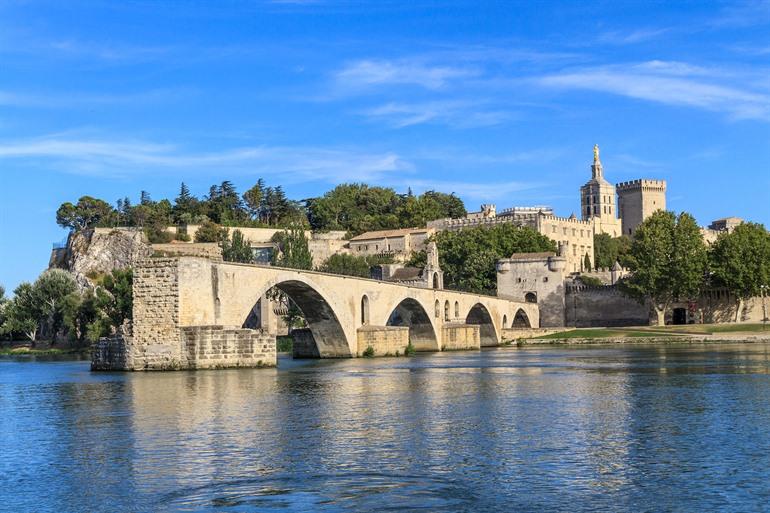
column 657, row 331
column 15, row 351
column 284, row 343
column 600, row 333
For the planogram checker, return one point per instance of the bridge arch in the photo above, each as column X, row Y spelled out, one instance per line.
column 323, row 323
column 480, row 316
column 521, row 320
column 422, row 334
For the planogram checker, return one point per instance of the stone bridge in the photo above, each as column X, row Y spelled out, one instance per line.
column 192, row 312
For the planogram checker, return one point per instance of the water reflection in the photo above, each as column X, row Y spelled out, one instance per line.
column 622, row 429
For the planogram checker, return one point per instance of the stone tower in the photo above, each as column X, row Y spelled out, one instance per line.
column 637, row 200
column 597, row 200
column 432, row 272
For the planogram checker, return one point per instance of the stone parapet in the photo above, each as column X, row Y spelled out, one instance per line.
column 641, row 184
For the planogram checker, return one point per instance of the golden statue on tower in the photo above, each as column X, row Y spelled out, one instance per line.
column 596, row 153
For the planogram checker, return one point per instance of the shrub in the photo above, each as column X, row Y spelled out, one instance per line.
column 368, row 352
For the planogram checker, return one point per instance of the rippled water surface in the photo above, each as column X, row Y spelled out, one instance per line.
column 684, row 428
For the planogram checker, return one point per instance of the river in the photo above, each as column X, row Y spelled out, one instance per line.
column 622, row 428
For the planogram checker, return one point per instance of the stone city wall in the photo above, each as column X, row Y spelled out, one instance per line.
column 587, row 306
column 210, row 250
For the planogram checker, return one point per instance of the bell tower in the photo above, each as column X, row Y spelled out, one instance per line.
column 597, row 200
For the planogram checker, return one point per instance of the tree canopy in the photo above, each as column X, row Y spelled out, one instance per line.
column 667, row 259
column 740, row 261
column 608, row 250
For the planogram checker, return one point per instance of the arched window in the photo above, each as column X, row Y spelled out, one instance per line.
column 446, row 311
column 457, row 310
column 530, row 297
column 438, row 309
column 505, row 321
column 435, row 280
column 365, row 310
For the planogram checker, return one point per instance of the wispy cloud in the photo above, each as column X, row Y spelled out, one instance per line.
column 457, row 113
column 474, row 190
column 670, row 83
column 632, row 37
column 368, row 73
column 122, row 158
column 61, row 100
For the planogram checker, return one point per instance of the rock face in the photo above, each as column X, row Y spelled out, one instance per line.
column 99, row 251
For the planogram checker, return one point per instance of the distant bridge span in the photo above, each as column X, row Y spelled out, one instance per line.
column 192, row 312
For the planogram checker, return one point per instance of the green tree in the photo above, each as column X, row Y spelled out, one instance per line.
column 469, row 257
column 22, row 313
column 293, row 249
column 668, row 261
column 210, row 232
column 348, row 265
column 587, row 263
column 48, row 292
column 253, row 199
column 186, row 206
column 355, row 208
column 740, row 262
column 237, row 249
column 608, row 250
column 87, row 213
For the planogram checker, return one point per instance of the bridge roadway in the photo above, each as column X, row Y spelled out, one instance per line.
column 185, row 306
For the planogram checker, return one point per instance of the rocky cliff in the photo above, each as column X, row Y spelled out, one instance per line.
column 93, row 252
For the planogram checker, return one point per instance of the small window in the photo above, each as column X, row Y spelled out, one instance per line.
column 545, row 279
column 518, row 280
column 457, row 310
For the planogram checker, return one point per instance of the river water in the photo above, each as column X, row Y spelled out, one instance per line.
column 633, row 428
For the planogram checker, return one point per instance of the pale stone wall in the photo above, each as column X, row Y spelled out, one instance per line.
column 576, row 236
column 200, row 249
column 110, row 353
column 459, row 336
column 322, row 248
column 212, row 347
column 539, row 274
column 384, row 340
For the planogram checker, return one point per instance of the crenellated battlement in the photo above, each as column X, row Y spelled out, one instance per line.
column 642, row 183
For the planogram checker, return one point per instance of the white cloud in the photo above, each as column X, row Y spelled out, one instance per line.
column 121, row 158
column 670, row 83
column 632, row 37
column 367, row 73
column 459, row 114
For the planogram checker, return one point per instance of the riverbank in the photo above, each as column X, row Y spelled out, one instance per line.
column 693, row 333
column 21, row 348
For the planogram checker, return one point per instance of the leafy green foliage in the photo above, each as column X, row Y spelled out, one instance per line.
column 586, row 263
column 210, row 232
column 591, row 281
column 668, row 260
column 608, row 250
column 87, row 213
column 39, row 307
column 358, row 208
column 368, row 352
column 100, row 312
column 293, row 249
column 237, row 249
column 468, row 257
column 348, row 265
column 740, row 260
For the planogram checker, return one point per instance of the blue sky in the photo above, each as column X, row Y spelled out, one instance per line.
column 496, row 101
